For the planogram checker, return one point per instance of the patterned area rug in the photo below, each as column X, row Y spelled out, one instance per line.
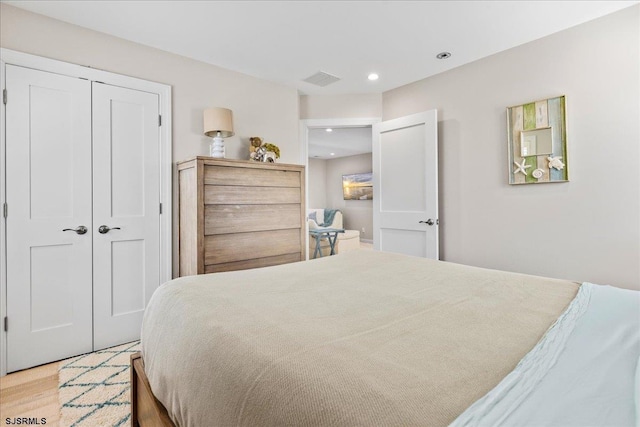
column 94, row 388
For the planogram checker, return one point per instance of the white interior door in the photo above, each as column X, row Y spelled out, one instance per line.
column 405, row 171
column 126, row 199
column 48, row 172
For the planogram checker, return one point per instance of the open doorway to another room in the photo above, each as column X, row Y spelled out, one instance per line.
column 339, row 178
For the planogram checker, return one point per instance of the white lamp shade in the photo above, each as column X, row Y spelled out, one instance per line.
column 218, row 120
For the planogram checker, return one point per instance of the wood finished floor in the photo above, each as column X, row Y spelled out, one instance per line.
column 31, row 393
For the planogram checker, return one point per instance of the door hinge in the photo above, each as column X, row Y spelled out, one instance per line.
column 159, row 120
column 6, row 323
column 160, row 208
column 5, row 209
column 4, row 96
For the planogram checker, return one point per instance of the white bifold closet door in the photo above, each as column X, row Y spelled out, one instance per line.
column 126, row 203
column 79, row 156
column 48, row 170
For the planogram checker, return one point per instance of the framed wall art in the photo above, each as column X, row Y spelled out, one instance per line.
column 358, row 186
column 537, row 138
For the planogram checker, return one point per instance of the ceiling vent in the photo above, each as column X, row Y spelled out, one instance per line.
column 321, row 79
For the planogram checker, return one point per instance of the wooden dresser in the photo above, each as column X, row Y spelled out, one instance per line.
column 237, row 214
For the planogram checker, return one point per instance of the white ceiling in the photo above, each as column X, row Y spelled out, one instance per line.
column 287, row 41
column 341, row 142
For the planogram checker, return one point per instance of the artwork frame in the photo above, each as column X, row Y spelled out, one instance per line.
column 537, row 142
column 357, row 186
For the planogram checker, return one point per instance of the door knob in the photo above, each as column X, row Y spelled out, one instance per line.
column 104, row 229
column 80, row 230
column 428, row 222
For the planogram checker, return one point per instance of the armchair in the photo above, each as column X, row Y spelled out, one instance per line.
column 348, row 240
column 317, row 217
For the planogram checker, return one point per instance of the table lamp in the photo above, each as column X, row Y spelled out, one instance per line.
column 218, row 123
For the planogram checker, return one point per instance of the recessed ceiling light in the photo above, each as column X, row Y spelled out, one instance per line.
column 332, row 154
column 443, row 55
column 373, row 76
column 329, row 130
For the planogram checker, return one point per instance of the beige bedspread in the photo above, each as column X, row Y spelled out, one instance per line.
column 360, row 339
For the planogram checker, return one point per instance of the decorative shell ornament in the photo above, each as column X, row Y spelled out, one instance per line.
column 259, row 154
column 255, row 141
column 272, row 148
column 269, row 157
column 555, row 162
column 263, row 152
column 521, row 167
column 538, row 173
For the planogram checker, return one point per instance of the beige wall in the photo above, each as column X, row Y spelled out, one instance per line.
column 316, row 184
column 340, row 106
column 357, row 213
column 260, row 108
column 585, row 230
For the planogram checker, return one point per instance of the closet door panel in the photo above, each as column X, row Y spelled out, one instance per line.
column 126, row 199
column 48, row 170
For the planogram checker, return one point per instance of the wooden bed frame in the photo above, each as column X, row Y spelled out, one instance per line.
column 146, row 410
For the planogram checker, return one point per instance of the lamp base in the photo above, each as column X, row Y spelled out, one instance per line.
column 217, row 148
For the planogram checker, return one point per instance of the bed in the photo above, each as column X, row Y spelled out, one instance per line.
column 369, row 338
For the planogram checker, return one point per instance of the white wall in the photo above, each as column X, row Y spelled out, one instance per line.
column 316, row 185
column 340, row 106
column 585, row 230
column 260, row 108
column 357, row 213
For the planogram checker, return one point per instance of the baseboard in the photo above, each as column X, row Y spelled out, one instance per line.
column 366, row 241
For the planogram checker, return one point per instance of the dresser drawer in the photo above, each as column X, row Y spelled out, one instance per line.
column 237, row 195
column 252, row 263
column 226, row 219
column 224, row 175
column 235, row 247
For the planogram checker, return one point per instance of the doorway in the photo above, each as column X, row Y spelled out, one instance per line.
column 335, row 150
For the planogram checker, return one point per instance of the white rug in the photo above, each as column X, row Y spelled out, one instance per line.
column 94, row 388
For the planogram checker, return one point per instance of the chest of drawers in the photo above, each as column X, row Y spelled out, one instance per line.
column 236, row 215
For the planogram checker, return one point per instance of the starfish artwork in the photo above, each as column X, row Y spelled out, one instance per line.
column 521, row 167
column 555, row 162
